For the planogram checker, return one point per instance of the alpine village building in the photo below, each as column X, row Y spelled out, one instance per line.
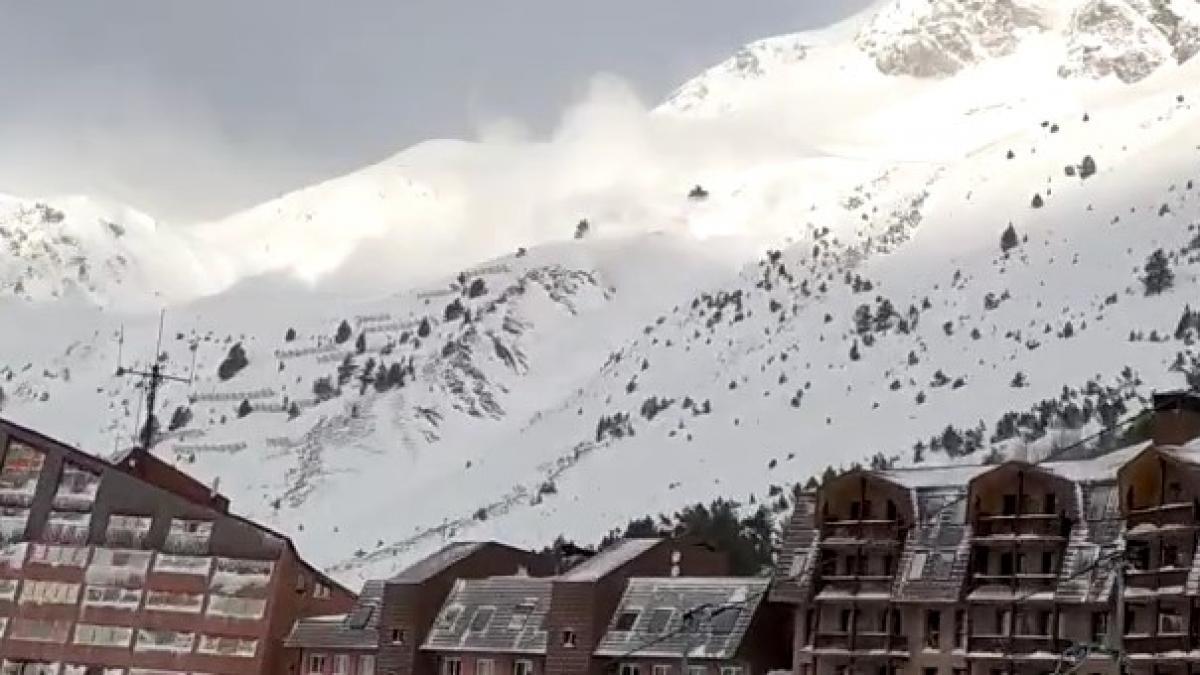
column 1087, row 566
column 134, row 568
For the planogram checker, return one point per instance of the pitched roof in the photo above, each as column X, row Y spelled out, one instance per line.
column 435, row 563
column 358, row 629
column 497, row 614
column 97, row 464
column 656, row 607
column 610, row 559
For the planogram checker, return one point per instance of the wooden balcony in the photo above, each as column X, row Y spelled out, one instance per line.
column 864, row 641
column 1159, row 581
column 853, row 585
column 1012, row 645
column 1162, row 643
column 854, row 533
column 1026, row 528
column 1174, row 513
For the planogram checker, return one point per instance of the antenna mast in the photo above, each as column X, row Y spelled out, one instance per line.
column 154, row 378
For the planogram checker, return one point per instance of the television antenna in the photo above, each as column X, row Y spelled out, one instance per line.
column 153, row 378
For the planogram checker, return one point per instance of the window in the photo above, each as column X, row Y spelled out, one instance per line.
column 19, row 474
column 118, row 568
column 661, row 669
column 164, row 641
column 1099, row 627
column 568, row 638
column 960, row 629
column 892, row 513
column 703, row 670
column 1170, row 622
column 112, row 597
column 231, row 646
column 483, row 617
column 449, row 617
column 1009, row 505
column 631, row 669
column 452, row 666
column 1006, row 564
column 12, row 523
column 128, row 531
column 1003, row 622
column 485, row 667
column 366, row 665
column 397, row 636
column 187, row 565
column 77, row 488
column 917, row 566
column 1047, row 562
column 8, row 589
column 189, row 536
column 163, row 601
column 49, row 593
column 341, row 664
column 660, row 619
column 103, row 636
column 39, row 630
column 316, row 663
column 724, row 619
column 929, row 671
column 236, row 608
column 627, row 619
column 933, row 629
column 59, row 556
column 1170, row 556
column 1050, row 503
column 520, row 614
column 523, row 667
column 887, row 565
column 897, row 622
column 67, row 527
column 1020, row 560
column 321, row 591
column 733, row 670
column 845, row 620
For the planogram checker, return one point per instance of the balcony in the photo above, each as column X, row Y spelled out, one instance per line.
column 1173, row 513
column 1143, row 644
column 833, row 586
column 1006, row 646
column 1025, row 528
column 878, row 642
column 1168, row 580
column 855, row 533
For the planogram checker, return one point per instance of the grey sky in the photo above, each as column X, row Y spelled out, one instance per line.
column 193, row 108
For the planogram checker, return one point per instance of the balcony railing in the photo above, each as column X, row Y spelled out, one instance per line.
column 1026, row 527
column 1011, row 644
column 1159, row 579
column 860, row 642
column 1174, row 513
column 856, row 583
column 1157, row 644
column 876, row 533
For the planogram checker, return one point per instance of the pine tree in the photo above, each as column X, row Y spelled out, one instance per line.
column 582, row 228
column 245, row 408
column 234, row 362
column 424, row 329
column 1009, row 239
column 360, row 345
column 343, row 332
column 290, row 335
column 1159, row 276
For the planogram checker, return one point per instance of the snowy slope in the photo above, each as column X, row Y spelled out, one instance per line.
column 832, row 289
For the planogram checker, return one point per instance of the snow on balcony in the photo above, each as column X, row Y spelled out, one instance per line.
column 125, row 531
column 184, row 603
column 112, row 567
column 189, row 536
column 12, row 556
column 190, row 565
column 164, row 641
column 77, row 488
column 112, row 597
column 235, row 575
column 54, row 555
column 233, row 607
column 227, row 646
column 12, row 523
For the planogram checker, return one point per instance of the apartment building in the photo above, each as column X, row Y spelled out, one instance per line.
column 134, row 568
column 996, row 570
column 385, row 629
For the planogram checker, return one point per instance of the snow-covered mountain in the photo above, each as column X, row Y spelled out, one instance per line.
column 939, row 229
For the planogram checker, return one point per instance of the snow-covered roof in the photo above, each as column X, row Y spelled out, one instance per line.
column 434, row 563
column 918, row 478
column 609, row 560
column 657, row 607
column 495, row 615
column 1100, row 468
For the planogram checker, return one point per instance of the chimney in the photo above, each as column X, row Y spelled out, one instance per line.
column 1176, row 418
